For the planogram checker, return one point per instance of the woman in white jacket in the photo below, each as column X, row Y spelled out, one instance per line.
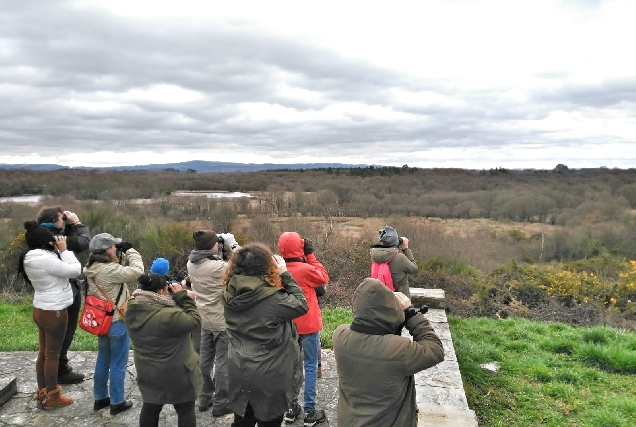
column 48, row 266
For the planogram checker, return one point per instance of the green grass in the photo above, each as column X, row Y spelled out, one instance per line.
column 19, row 333
column 551, row 374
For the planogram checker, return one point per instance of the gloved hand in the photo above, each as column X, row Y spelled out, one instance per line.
column 308, row 247
column 228, row 240
column 124, row 246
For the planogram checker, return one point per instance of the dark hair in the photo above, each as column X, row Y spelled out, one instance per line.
column 254, row 260
column 152, row 282
column 49, row 214
column 36, row 237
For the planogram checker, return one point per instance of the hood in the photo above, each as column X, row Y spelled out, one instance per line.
column 382, row 254
column 138, row 314
column 245, row 291
column 94, row 269
column 198, row 255
column 291, row 245
column 375, row 307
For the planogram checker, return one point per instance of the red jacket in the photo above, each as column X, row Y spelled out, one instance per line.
column 309, row 273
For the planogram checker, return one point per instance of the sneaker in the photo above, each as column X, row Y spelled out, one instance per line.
column 314, row 417
column 100, row 404
column 120, row 407
column 221, row 411
column 70, row 377
column 205, row 403
column 292, row 413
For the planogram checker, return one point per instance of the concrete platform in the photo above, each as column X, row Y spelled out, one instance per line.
column 440, row 393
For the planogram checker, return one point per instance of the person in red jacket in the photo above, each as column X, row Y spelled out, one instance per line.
column 309, row 273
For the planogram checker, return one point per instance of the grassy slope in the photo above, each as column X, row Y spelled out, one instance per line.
column 551, row 374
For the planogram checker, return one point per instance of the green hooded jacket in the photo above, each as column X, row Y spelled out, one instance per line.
column 264, row 364
column 166, row 363
column 376, row 368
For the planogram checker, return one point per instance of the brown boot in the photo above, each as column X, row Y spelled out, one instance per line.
column 319, row 371
column 40, row 396
column 54, row 399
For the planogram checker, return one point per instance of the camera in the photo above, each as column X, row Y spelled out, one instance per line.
column 400, row 241
column 220, row 239
column 64, row 217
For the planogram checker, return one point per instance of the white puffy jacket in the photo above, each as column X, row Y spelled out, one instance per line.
column 49, row 276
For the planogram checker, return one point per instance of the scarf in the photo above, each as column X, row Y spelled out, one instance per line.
column 149, row 297
column 198, row 255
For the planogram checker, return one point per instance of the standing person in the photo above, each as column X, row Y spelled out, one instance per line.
column 161, row 266
column 403, row 262
column 48, row 266
column 159, row 319
column 310, row 274
column 66, row 223
column 104, row 270
column 369, row 345
column 205, row 270
column 264, row 368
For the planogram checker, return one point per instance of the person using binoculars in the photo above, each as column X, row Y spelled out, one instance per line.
column 206, row 268
column 104, row 269
column 66, row 223
column 395, row 250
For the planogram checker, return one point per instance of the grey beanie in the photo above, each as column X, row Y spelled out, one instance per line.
column 388, row 236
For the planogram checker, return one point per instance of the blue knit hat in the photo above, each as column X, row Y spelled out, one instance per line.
column 160, row 266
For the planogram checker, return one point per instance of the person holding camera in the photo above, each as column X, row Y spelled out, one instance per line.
column 261, row 299
column 67, row 224
column 206, row 268
column 396, row 251
column 369, row 345
column 310, row 274
column 48, row 266
column 160, row 318
column 104, row 269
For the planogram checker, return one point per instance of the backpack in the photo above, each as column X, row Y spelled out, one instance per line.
column 382, row 272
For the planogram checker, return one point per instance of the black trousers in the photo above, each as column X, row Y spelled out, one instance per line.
column 73, row 314
column 249, row 420
column 149, row 415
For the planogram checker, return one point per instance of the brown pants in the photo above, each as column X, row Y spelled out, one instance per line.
column 51, row 327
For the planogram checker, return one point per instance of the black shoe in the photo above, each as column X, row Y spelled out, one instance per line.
column 314, row 417
column 69, row 377
column 101, row 404
column 121, row 407
column 292, row 413
column 221, row 412
column 205, row 403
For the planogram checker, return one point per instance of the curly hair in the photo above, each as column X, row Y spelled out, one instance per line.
column 256, row 260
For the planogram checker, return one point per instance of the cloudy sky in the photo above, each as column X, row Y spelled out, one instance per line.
column 470, row 84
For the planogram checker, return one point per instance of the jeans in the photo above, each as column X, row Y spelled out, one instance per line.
column 112, row 359
column 249, row 420
column 73, row 315
column 51, row 328
column 149, row 416
column 214, row 355
column 310, row 345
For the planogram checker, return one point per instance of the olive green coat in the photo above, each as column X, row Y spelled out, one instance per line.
column 166, row 363
column 264, row 364
column 400, row 266
column 376, row 368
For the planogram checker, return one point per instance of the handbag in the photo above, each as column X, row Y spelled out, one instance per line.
column 97, row 314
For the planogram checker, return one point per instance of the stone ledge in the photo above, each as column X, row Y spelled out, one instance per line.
column 445, row 416
column 433, row 298
column 8, row 387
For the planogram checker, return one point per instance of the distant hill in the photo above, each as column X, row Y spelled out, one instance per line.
column 194, row 165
